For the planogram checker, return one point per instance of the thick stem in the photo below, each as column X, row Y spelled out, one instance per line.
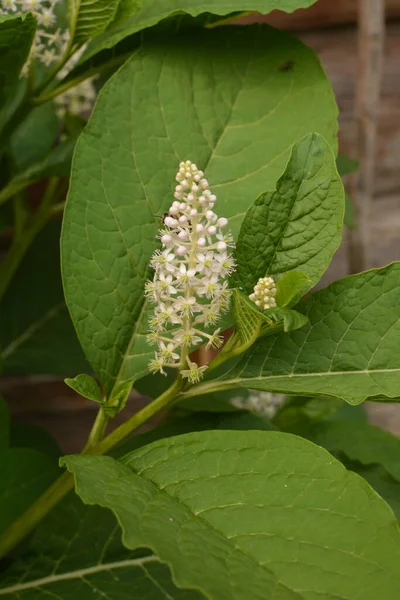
column 28, row 521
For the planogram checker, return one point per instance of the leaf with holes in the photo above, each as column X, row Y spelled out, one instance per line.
column 252, row 514
column 230, row 110
column 348, row 349
column 297, row 227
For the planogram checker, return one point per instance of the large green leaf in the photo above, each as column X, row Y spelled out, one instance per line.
column 299, row 226
column 76, row 554
column 380, row 480
column 218, row 98
column 16, row 35
column 135, row 15
column 88, row 18
column 360, row 442
column 349, row 349
column 250, row 515
column 36, row 333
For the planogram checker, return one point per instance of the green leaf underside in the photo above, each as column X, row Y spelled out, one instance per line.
column 348, row 349
column 360, row 442
column 250, row 515
column 299, row 226
column 86, row 386
column 89, row 18
column 36, row 333
column 76, row 554
column 250, row 322
column 231, row 110
column 16, row 35
column 134, row 15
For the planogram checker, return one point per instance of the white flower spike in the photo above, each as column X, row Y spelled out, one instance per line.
column 188, row 288
column 264, row 293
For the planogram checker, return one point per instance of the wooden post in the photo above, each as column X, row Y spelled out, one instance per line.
column 371, row 27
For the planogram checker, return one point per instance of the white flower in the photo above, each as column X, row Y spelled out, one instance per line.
column 188, row 287
column 194, row 373
column 264, row 293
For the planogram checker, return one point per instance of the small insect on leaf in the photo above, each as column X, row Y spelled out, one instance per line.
column 286, row 66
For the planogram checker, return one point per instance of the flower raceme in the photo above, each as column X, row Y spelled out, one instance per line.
column 189, row 288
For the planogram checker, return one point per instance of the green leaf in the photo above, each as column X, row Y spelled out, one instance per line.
column 36, row 333
column 250, row 515
column 348, row 350
column 135, row 15
column 76, row 554
column 288, row 287
column 179, row 423
column 24, row 475
column 89, row 18
column 23, row 435
column 86, row 386
column 33, row 139
column 56, row 163
column 251, row 323
column 4, row 425
column 223, row 111
column 360, row 442
column 346, row 165
column 298, row 413
column 16, row 35
column 378, row 478
column 299, row 226
column 349, row 214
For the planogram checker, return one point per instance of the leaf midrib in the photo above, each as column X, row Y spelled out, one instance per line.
column 79, row 574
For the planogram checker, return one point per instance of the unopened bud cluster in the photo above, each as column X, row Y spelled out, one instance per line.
column 49, row 42
column 188, row 289
column 264, row 293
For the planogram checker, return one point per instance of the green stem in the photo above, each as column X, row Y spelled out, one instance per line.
column 68, row 84
column 97, row 432
column 35, row 513
column 22, row 241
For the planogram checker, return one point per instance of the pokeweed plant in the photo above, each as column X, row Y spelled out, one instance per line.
column 204, row 205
